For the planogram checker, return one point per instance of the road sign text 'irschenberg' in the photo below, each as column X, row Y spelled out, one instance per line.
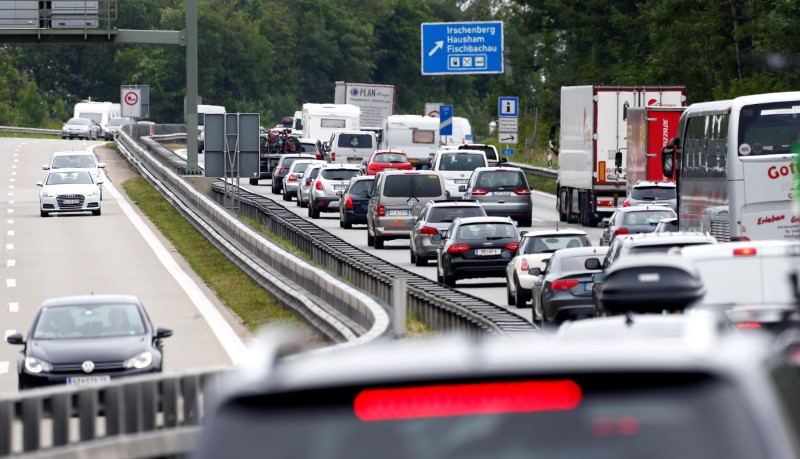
column 462, row 47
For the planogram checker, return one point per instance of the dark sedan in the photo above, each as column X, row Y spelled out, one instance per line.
column 564, row 290
column 354, row 202
column 476, row 247
column 88, row 339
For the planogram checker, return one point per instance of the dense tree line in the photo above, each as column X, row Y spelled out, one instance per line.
column 270, row 56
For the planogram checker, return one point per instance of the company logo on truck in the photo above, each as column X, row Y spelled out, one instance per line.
column 776, row 172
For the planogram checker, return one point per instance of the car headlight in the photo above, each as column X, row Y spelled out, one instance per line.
column 34, row 365
column 85, row 128
column 92, row 194
column 49, row 194
column 142, row 360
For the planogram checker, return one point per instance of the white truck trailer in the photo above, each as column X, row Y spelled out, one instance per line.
column 593, row 132
column 321, row 120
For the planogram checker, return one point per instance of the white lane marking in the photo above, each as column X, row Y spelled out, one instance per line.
column 14, row 166
column 11, row 263
column 9, row 246
column 537, row 220
column 11, row 193
column 3, row 367
column 12, row 179
column 11, row 187
column 13, row 173
column 234, row 346
column 10, row 221
column 11, row 202
column 10, row 232
column 10, row 211
column 10, row 332
column 13, row 307
column 11, row 283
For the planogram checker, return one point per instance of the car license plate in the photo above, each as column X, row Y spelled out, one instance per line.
column 390, row 169
column 339, row 187
column 88, row 380
column 483, row 252
column 587, row 286
column 353, row 160
column 502, row 193
column 413, row 160
column 461, row 181
column 69, row 201
column 401, row 212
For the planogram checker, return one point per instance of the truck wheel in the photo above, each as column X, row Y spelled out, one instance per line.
column 253, row 181
column 572, row 217
column 561, row 205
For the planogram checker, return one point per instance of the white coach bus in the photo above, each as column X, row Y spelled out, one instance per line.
column 736, row 166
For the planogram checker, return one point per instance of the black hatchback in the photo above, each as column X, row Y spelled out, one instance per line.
column 88, row 340
column 476, row 247
column 355, row 201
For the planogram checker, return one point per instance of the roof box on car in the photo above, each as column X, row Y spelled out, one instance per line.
column 649, row 284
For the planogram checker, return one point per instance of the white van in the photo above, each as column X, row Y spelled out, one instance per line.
column 321, row 120
column 456, row 166
column 416, row 135
column 351, row 147
column 202, row 111
column 100, row 113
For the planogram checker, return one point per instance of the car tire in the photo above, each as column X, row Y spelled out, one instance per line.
column 560, row 203
column 378, row 242
column 420, row 261
column 346, row 224
column 44, row 213
column 96, row 212
column 341, row 223
column 275, row 189
column 253, row 181
column 412, row 256
column 439, row 277
column 63, row 137
column 286, row 196
column 302, row 203
column 509, row 296
column 313, row 212
column 449, row 281
column 370, row 239
column 520, row 296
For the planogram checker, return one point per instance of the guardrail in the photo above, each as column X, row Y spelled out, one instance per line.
column 536, row 170
column 24, row 130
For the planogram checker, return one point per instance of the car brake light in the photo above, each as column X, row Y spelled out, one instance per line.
column 319, row 156
column 619, row 231
column 605, row 203
column 744, row 252
column 466, row 399
column 523, row 192
column 479, row 191
column 564, row 284
column 458, row 248
column 512, row 246
column 381, row 210
column 428, row 231
column 282, row 170
column 626, row 203
column 291, row 178
column 318, row 185
column 333, row 156
column 348, row 202
column 740, row 239
column 524, row 266
column 748, row 325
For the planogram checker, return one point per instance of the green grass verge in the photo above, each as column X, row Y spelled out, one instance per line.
column 237, row 290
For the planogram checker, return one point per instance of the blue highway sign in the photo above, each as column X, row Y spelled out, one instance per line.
column 462, row 47
column 507, row 151
column 508, row 106
column 445, row 120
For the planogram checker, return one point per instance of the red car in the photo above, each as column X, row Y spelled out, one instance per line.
column 388, row 160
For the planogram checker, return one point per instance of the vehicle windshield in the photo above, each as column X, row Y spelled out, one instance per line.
column 461, row 162
column 479, row 231
column 487, row 150
column 300, row 167
column 409, row 186
column 339, row 174
column 89, row 321
column 355, row 140
column 766, row 129
column 448, row 214
column 578, row 264
column 73, row 161
column 69, row 178
column 501, row 180
column 646, row 217
column 390, row 158
column 360, row 186
column 549, row 244
column 661, row 248
column 595, row 416
column 308, row 148
column 653, row 193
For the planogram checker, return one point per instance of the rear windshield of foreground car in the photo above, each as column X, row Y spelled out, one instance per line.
column 360, row 186
column 390, row 158
column 308, row 148
column 653, row 193
column 648, row 249
column 501, row 180
column 488, row 151
column 646, row 217
column 355, row 140
column 479, row 231
column 595, row 416
column 448, row 214
column 549, row 244
column 339, row 174
column 410, row 186
column 578, row 264
column 461, row 162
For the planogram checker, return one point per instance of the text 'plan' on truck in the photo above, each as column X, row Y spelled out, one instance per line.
column 593, row 129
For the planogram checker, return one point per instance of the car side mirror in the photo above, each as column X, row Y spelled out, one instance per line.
column 38, row 183
column 447, row 194
column 339, row 193
column 163, row 332
column 592, row 264
column 101, row 165
column 45, row 167
column 445, row 234
column 522, row 233
column 100, row 182
column 535, row 271
column 462, row 188
column 15, row 338
column 668, row 157
column 503, row 160
column 618, row 159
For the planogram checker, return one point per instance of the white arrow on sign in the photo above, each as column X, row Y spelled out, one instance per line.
column 439, row 45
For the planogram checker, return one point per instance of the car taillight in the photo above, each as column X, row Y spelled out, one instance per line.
column 744, row 252
column 319, row 156
column 381, row 210
column 523, row 192
column 282, row 170
column 748, row 325
column 333, row 156
column 428, row 231
column 479, row 192
column 740, row 239
column 524, row 266
column 626, row 203
column 458, row 248
column 605, row 203
column 318, row 185
column 512, row 246
column 348, row 202
column 564, row 284
column 619, row 231
column 291, row 178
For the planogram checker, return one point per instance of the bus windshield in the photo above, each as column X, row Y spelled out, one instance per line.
column 766, row 129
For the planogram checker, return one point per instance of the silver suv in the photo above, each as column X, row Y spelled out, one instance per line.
column 651, row 193
column 396, row 200
column 503, row 192
column 329, row 186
